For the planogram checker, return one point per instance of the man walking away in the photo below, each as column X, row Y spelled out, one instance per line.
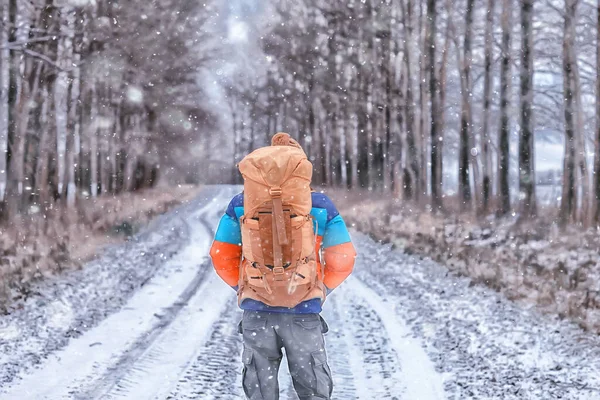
column 267, row 247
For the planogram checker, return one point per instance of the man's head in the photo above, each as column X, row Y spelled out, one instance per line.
column 284, row 139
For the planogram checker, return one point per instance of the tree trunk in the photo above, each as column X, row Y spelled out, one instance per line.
column 412, row 172
column 317, row 140
column 14, row 82
column 327, row 147
column 424, row 95
column 526, row 142
column 341, row 128
column 441, row 118
column 4, row 85
column 597, row 139
column 504, row 150
column 60, row 92
column 237, row 137
column 388, row 159
column 17, row 160
column 354, row 153
column 569, row 191
column 45, row 150
column 370, row 103
column 580, row 140
column 93, row 137
column 73, row 142
column 464, row 184
column 354, row 129
column 488, row 84
column 436, row 134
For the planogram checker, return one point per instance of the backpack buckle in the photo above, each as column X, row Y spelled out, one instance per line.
column 278, row 271
column 275, row 192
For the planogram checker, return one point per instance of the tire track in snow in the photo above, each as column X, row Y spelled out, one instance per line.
column 114, row 340
column 370, row 349
column 369, row 356
column 215, row 373
column 347, row 370
column 158, row 369
column 417, row 376
column 152, row 348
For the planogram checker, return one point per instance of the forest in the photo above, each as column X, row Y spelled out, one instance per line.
column 437, row 102
column 424, row 100
column 95, row 96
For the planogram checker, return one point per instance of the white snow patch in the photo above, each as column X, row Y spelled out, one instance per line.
column 423, row 382
column 60, row 314
column 9, row 332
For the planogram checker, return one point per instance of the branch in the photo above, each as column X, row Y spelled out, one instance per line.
column 43, row 57
column 19, row 45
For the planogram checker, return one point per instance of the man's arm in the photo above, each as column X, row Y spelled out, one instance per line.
column 226, row 250
column 338, row 252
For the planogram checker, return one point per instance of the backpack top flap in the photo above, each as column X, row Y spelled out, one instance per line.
column 273, row 168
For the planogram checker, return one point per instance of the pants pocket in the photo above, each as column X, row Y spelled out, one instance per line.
column 324, row 326
column 250, row 381
column 323, row 380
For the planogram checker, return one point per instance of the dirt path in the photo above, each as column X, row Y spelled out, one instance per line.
column 400, row 328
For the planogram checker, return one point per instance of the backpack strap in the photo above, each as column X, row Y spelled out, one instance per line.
column 278, row 215
column 279, row 234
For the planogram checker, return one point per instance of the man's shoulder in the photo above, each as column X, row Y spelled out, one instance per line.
column 236, row 201
column 321, row 200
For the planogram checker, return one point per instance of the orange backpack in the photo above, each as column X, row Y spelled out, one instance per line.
column 279, row 266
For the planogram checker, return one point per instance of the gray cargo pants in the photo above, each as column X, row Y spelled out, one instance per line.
column 265, row 334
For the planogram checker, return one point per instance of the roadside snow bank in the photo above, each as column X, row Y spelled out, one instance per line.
column 38, row 247
column 557, row 271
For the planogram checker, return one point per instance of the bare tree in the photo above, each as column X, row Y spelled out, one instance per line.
column 487, row 172
column 568, row 206
column 526, row 146
column 436, row 136
column 4, row 86
column 464, row 184
column 597, row 138
column 504, row 150
column 412, row 172
column 580, row 139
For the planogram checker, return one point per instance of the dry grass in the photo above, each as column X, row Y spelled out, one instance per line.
column 534, row 262
column 37, row 246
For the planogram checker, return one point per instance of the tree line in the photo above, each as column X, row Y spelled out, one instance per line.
column 400, row 96
column 95, row 95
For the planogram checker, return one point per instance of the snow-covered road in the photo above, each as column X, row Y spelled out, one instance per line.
column 400, row 328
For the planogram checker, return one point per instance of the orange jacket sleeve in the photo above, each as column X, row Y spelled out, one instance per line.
column 339, row 262
column 226, row 258
column 338, row 251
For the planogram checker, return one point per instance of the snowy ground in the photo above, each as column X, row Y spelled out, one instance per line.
column 149, row 320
